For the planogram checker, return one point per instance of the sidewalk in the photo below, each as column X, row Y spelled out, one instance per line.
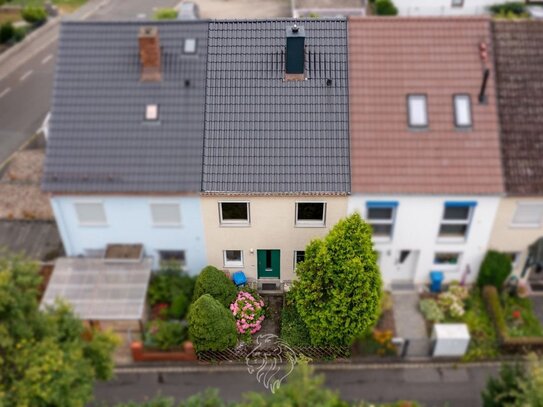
column 410, row 324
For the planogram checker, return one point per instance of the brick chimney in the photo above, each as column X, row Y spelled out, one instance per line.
column 149, row 44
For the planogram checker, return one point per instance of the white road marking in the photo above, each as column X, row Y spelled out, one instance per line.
column 26, row 75
column 4, row 92
column 46, row 59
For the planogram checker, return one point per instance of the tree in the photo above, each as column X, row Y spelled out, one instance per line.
column 44, row 360
column 214, row 282
column 338, row 291
column 503, row 390
column 385, row 8
column 211, row 325
column 165, row 14
column 494, row 270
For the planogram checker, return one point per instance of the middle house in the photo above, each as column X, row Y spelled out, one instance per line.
column 276, row 168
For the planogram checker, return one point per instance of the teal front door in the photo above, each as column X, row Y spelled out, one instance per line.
column 269, row 262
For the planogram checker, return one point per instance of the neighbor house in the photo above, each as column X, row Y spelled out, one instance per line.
column 276, row 153
column 448, row 7
column 519, row 58
column 124, row 155
column 425, row 152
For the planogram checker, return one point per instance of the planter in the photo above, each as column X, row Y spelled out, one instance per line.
column 140, row 354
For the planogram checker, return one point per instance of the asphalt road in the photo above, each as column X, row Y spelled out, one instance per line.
column 26, row 79
column 432, row 386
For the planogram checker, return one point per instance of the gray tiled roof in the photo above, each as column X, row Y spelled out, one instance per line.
column 266, row 135
column 98, row 140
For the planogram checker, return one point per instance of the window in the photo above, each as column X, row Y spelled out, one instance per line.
column 190, row 46
column 528, row 214
column 233, row 258
column 417, row 113
column 310, row 213
column 380, row 215
column 457, row 3
column 450, row 259
column 299, row 256
column 151, row 112
column 456, row 219
column 166, row 214
column 90, row 213
column 234, row 212
column 177, row 256
column 462, row 111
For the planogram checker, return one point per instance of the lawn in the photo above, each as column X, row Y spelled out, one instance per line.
column 520, row 318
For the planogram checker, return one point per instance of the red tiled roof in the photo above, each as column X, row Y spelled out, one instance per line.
column 390, row 58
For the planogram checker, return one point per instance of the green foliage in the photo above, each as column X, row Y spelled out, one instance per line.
column 520, row 317
column 171, row 286
column 514, row 9
column 431, row 310
column 19, row 34
column 494, row 270
column 495, row 309
column 179, row 306
column 531, row 388
column 34, row 15
column 293, row 328
column 451, row 302
column 7, row 32
column 165, row 335
column 385, row 8
column 165, row 14
column 338, row 291
column 483, row 343
column 211, row 325
column 44, row 360
column 502, row 390
column 214, row 282
column 208, row 398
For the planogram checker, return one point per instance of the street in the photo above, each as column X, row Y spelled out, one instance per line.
column 432, row 386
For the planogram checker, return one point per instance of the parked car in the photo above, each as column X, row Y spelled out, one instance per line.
column 187, row 10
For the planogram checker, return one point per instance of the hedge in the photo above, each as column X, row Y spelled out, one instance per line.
column 495, row 269
column 214, row 282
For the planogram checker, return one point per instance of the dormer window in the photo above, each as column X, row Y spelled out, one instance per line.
column 462, row 111
column 151, row 113
column 417, row 111
column 190, row 46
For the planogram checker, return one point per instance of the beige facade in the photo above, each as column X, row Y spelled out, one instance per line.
column 272, row 226
column 518, row 224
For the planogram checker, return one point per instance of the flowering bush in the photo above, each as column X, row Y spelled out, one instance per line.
column 248, row 312
column 452, row 301
column 431, row 311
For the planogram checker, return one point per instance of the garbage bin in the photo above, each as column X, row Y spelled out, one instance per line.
column 239, row 278
column 436, row 278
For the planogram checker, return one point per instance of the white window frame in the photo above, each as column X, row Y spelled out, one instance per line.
column 457, row 3
column 412, row 98
column 190, row 50
column 447, row 266
column 151, row 112
column 232, row 264
column 526, row 225
column 235, row 222
column 390, row 222
column 458, row 125
column 165, row 224
column 310, row 223
column 296, row 256
column 466, row 222
column 84, row 223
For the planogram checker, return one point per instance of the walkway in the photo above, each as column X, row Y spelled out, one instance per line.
column 410, row 324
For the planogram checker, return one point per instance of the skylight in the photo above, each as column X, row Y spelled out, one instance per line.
column 151, row 112
column 462, row 111
column 190, row 46
column 417, row 111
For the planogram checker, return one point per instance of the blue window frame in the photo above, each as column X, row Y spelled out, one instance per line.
column 381, row 215
column 456, row 219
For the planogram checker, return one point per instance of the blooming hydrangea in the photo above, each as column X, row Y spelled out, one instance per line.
column 248, row 312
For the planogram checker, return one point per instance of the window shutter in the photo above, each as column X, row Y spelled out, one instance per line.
column 528, row 214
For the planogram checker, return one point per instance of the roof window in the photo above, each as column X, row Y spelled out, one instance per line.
column 190, row 46
column 151, row 113
column 417, row 113
column 462, row 111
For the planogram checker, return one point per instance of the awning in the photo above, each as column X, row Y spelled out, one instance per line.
column 98, row 289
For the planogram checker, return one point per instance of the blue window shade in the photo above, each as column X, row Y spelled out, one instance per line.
column 382, row 204
column 460, row 204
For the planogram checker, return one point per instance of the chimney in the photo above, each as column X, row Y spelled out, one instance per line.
column 295, row 54
column 149, row 44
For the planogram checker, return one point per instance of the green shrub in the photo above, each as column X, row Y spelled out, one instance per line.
column 494, row 270
column 514, row 8
column 495, row 309
column 503, row 390
column 211, row 325
column 179, row 307
column 165, row 14
column 7, row 32
column 293, row 328
column 214, row 282
column 167, row 286
column 385, row 8
column 165, row 335
column 431, row 311
column 19, row 34
column 34, row 15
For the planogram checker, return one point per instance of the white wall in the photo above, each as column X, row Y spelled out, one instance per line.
column 416, row 227
column 129, row 221
column 442, row 7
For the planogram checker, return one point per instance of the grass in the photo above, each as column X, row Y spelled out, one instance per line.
column 65, row 6
column 520, row 317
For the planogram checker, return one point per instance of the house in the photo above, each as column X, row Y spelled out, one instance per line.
column 425, row 152
column 519, row 220
column 276, row 152
column 327, row 8
column 448, row 7
column 124, row 155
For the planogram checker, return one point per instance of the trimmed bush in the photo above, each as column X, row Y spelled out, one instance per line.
column 34, row 15
column 7, row 32
column 431, row 311
column 211, row 325
column 509, row 8
column 165, row 14
column 494, row 270
column 492, row 299
column 385, row 8
column 214, row 282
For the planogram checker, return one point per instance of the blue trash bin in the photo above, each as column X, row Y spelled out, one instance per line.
column 436, row 279
column 239, row 278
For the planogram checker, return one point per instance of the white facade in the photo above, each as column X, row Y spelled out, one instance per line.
column 415, row 247
column 443, row 7
column 161, row 223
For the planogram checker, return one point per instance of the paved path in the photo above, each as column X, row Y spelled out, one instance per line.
column 410, row 324
column 432, row 386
